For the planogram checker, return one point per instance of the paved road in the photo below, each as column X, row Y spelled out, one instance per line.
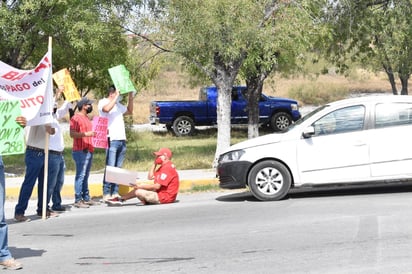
column 348, row 231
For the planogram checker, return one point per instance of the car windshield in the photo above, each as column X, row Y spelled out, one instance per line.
column 307, row 116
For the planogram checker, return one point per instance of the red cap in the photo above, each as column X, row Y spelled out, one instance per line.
column 164, row 151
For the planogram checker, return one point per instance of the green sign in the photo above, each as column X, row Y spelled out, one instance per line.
column 11, row 133
column 121, row 79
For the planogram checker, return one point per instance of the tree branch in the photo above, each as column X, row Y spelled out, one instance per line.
column 153, row 43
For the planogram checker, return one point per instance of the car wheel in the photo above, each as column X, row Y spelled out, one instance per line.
column 183, row 126
column 269, row 180
column 280, row 121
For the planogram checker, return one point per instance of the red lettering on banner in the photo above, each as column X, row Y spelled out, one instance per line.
column 30, row 102
column 15, row 88
column 43, row 65
column 13, row 75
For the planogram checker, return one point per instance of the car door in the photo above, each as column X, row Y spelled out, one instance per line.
column 390, row 141
column 239, row 114
column 338, row 151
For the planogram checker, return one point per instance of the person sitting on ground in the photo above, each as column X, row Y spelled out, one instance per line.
column 164, row 188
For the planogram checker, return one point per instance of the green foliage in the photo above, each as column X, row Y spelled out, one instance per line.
column 374, row 33
column 87, row 37
column 203, row 30
column 281, row 42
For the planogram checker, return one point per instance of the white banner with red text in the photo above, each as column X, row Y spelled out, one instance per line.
column 33, row 88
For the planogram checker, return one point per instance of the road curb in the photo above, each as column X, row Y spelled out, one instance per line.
column 95, row 188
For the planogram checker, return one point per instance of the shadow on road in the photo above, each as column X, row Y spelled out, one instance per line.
column 238, row 197
column 323, row 192
column 19, row 253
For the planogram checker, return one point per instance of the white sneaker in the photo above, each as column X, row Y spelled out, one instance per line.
column 11, row 264
column 106, row 198
column 115, row 202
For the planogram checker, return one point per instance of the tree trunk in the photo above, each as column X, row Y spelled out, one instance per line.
column 404, row 81
column 391, row 78
column 223, row 109
column 223, row 76
column 253, row 120
column 254, row 90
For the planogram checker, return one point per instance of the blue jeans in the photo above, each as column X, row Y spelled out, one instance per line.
column 115, row 155
column 56, row 197
column 83, row 162
column 34, row 161
column 4, row 248
column 53, row 169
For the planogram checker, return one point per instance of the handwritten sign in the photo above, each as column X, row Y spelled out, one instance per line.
column 121, row 79
column 100, row 125
column 63, row 78
column 11, row 133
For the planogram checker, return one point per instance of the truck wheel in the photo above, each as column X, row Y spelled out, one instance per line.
column 280, row 121
column 269, row 180
column 183, row 126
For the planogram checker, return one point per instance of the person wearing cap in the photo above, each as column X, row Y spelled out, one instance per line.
column 82, row 133
column 111, row 108
column 165, row 183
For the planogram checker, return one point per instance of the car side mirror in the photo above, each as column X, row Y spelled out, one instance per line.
column 308, row 132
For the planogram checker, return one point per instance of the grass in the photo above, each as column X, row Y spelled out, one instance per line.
column 205, row 188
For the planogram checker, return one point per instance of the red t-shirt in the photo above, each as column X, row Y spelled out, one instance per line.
column 81, row 123
column 168, row 178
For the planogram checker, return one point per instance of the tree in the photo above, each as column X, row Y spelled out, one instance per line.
column 214, row 37
column 376, row 33
column 282, row 40
column 87, row 36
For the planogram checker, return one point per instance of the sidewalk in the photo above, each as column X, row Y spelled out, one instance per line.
column 188, row 179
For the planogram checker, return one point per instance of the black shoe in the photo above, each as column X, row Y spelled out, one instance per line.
column 59, row 209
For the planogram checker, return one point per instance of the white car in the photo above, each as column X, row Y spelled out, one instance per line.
column 352, row 141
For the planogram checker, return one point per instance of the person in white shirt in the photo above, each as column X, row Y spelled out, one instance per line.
column 111, row 108
column 56, row 144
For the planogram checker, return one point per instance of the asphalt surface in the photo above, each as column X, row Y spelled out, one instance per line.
column 352, row 231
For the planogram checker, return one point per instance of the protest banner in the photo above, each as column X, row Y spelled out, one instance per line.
column 121, row 79
column 100, row 125
column 63, row 78
column 11, row 133
column 33, row 88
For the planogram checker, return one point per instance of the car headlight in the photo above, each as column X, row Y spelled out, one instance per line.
column 294, row 107
column 231, row 156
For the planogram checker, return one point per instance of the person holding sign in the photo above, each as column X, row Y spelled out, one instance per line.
column 164, row 188
column 82, row 133
column 6, row 259
column 111, row 108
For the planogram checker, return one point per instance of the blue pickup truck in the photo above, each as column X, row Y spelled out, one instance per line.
column 183, row 116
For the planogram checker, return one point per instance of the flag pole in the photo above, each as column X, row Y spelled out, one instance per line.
column 46, row 155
